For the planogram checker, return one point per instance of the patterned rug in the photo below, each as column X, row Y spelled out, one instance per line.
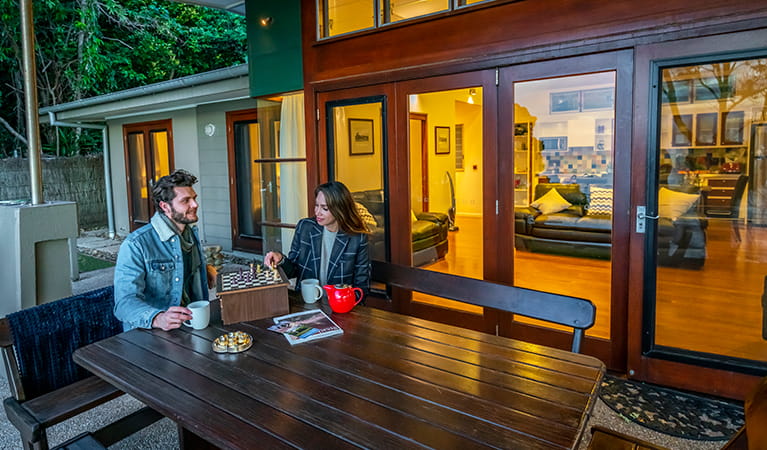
column 676, row 413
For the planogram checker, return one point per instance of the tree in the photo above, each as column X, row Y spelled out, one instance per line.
column 93, row 47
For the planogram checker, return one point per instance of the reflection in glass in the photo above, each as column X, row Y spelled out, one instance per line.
column 339, row 17
column 396, row 10
column 446, row 195
column 269, row 154
column 138, row 181
column 563, row 188
column 710, row 236
column 358, row 162
column 158, row 141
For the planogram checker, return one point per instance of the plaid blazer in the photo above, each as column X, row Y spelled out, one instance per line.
column 349, row 262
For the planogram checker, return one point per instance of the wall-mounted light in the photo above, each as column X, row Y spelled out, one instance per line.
column 266, row 21
column 472, row 93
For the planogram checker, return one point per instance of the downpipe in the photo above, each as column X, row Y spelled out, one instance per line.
column 107, row 163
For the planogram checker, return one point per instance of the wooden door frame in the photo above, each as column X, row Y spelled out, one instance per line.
column 486, row 80
column 641, row 365
column 145, row 128
column 423, row 118
column 612, row 351
column 238, row 243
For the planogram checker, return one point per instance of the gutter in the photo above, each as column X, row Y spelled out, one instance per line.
column 161, row 87
column 107, row 163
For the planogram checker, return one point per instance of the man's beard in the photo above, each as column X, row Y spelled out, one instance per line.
column 180, row 217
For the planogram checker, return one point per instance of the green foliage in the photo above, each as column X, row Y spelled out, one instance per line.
column 92, row 47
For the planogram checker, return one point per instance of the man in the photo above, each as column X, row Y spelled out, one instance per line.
column 161, row 266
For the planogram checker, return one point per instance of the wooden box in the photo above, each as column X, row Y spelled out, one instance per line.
column 244, row 298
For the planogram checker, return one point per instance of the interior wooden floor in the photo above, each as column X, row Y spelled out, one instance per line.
column 716, row 309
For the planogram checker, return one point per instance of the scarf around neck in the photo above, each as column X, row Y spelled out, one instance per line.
column 191, row 257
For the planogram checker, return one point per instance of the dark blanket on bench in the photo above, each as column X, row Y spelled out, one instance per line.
column 45, row 337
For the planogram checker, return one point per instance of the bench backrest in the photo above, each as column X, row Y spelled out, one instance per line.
column 38, row 342
column 564, row 310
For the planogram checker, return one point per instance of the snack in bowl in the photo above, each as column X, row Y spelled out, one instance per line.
column 232, row 342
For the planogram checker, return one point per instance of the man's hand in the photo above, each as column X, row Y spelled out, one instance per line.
column 172, row 318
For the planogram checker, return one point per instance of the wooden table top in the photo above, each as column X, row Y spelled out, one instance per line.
column 389, row 381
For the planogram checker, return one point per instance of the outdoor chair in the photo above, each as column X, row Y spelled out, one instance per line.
column 47, row 387
column 573, row 312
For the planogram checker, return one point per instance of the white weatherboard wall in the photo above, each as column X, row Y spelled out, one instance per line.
column 35, row 244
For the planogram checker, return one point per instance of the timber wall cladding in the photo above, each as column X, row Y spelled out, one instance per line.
column 77, row 178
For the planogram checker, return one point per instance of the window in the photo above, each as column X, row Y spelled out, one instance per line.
column 337, row 17
column 267, row 164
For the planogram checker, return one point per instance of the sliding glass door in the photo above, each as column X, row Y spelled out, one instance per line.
column 561, row 195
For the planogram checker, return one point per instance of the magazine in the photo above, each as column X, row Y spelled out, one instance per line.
column 305, row 326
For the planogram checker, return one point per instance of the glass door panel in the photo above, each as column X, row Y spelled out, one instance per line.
column 710, row 239
column 266, row 153
column 138, row 186
column 357, row 151
column 446, row 186
column 149, row 155
column 563, row 188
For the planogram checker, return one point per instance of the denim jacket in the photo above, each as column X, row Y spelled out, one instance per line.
column 149, row 275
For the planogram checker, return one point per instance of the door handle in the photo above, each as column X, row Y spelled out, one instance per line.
column 641, row 218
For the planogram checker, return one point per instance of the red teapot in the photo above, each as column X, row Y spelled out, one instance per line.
column 342, row 297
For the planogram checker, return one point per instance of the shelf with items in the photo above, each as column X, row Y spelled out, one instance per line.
column 523, row 148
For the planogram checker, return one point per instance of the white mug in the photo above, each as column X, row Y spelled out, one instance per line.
column 200, row 314
column 311, row 290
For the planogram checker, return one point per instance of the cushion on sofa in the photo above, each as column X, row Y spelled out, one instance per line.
column 674, row 204
column 570, row 192
column 551, row 202
column 367, row 218
column 601, row 201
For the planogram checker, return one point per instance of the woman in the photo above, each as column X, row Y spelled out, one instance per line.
column 332, row 246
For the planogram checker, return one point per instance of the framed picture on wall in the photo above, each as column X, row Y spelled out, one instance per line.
column 442, row 140
column 361, row 137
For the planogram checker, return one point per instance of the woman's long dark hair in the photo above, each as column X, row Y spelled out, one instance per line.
column 342, row 206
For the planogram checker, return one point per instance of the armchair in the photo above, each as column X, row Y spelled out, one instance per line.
column 429, row 230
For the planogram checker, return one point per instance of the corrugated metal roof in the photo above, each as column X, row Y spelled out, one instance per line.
column 235, row 6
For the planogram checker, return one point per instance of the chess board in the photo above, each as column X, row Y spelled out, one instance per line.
column 251, row 294
column 248, row 279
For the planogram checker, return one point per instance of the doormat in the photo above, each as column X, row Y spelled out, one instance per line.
column 672, row 412
column 87, row 263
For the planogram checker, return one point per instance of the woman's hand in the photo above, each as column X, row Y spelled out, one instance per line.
column 272, row 259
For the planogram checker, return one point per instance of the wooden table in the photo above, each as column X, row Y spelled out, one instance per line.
column 389, row 381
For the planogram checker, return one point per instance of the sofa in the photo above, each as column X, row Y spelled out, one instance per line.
column 428, row 229
column 584, row 228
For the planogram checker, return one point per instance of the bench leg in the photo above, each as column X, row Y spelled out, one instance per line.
column 188, row 440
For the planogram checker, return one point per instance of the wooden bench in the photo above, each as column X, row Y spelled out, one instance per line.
column 606, row 439
column 564, row 310
column 34, row 406
column 753, row 435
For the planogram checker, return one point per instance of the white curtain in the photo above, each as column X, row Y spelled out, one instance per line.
column 293, row 202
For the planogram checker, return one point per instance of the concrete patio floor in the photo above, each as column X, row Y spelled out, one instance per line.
column 163, row 434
